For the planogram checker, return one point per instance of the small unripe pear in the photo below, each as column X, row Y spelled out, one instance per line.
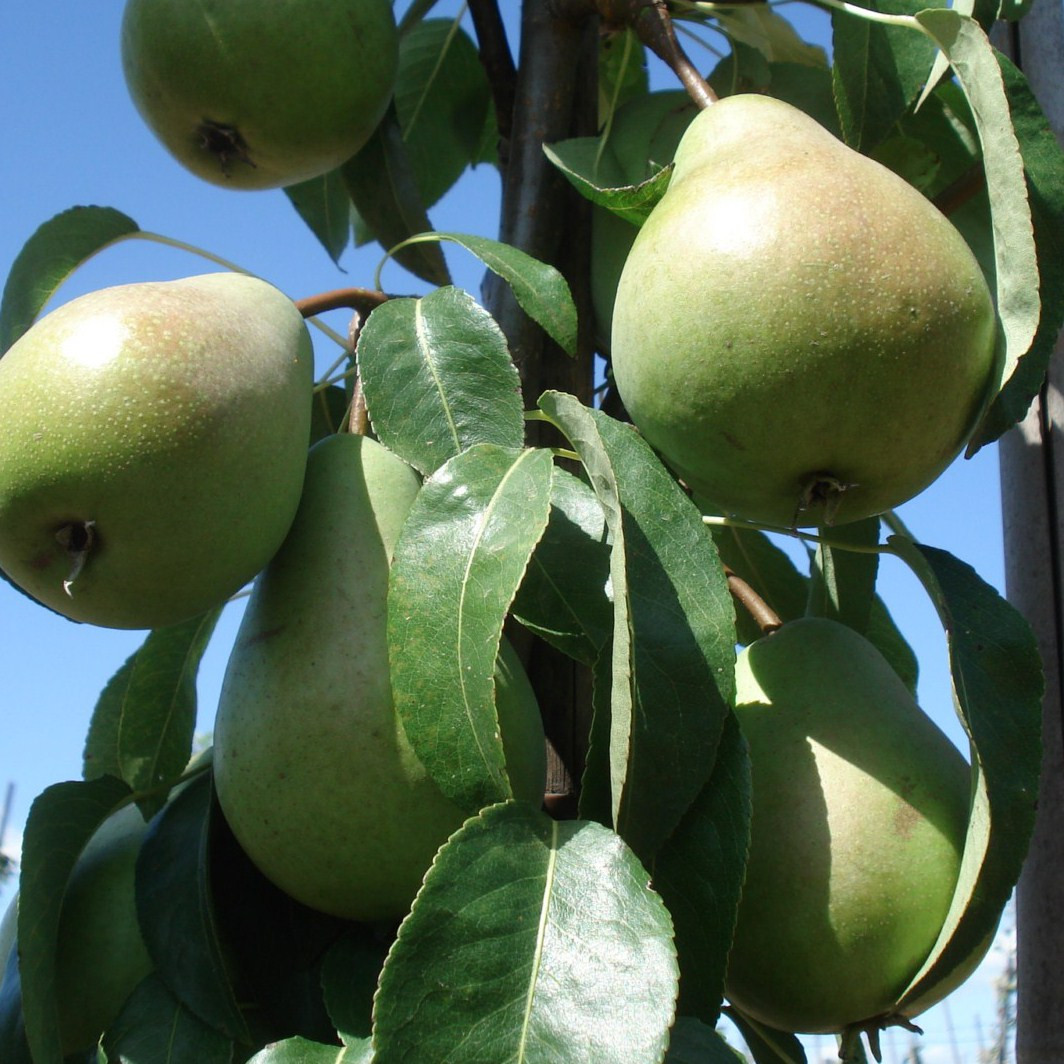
column 313, row 770
column 252, row 95
column 801, row 335
column 153, row 447
column 860, row 813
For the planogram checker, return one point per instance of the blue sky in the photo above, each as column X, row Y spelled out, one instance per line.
column 73, row 137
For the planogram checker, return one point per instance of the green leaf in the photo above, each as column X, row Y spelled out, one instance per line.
column 674, row 627
column 460, row 557
column 589, row 172
column 302, row 1051
column 766, row 1045
column 540, row 290
column 1043, row 161
column 699, row 874
column 531, row 940
column 997, row 684
column 54, row 251
column 143, row 724
column 62, row 820
column 622, row 71
column 442, row 100
column 13, row 1046
column 329, row 409
column 843, row 581
column 563, row 597
column 174, row 906
column 154, row 1026
column 772, row 35
column 974, row 61
column 694, row 1042
column 438, row 378
column 349, row 976
column 323, row 203
column 878, row 70
column 383, row 188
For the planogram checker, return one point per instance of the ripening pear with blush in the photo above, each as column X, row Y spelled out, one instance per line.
column 802, row 336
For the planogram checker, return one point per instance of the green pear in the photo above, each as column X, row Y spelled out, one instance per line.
column 860, row 812
column 801, row 335
column 100, row 955
column 255, row 95
column 154, row 445
column 312, row 767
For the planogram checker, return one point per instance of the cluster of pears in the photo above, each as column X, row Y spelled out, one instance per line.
column 803, row 337
column 252, row 95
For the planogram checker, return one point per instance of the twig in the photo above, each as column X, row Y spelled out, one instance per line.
column 362, row 300
column 653, row 25
column 764, row 616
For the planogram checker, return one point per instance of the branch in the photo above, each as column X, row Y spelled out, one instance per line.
column 362, row 300
column 498, row 63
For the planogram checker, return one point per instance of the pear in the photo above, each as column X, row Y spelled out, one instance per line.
column 251, row 95
column 802, row 336
column 860, row 811
column 313, row 770
column 153, row 448
column 100, row 954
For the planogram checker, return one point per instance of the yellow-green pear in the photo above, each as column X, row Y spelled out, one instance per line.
column 257, row 95
column 801, row 335
column 153, row 447
column 860, row 811
column 312, row 767
column 100, row 954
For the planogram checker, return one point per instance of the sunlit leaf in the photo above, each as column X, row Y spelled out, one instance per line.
column 143, row 724
column 438, row 378
column 531, row 940
column 459, row 560
column 54, row 251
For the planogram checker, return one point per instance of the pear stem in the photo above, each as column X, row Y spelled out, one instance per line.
column 796, row 533
column 764, row 616
column 874, row 16
column 653, row 25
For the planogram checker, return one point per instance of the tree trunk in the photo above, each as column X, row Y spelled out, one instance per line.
column 1032, row 483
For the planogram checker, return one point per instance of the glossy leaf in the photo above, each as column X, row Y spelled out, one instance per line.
column 302, row 1051
column 442, row 101
column 772, row 35
column 878, row 70
column 437, row 378
column 843, row 581
column 154, row 1026
column 176, row 914
column 62, row 820
column 564, row 596
column 540, row 290
column 54, row 251
column 673, row 646
column 383, row 188
column 459, row 559
column 699, row 873
column 589, row 171
column 1043, row 161
column 974, row 62
column 997, row 683
column 531, row 940
column 323, row 203
column 142, row 728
